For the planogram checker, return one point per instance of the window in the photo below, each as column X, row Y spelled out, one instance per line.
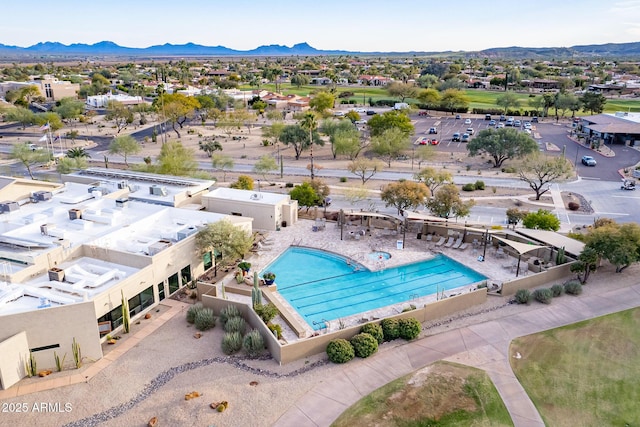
column 207, row 259
column 160, row 291
column 185, row 273
column 174, row 283
column 114, row 316
column 141, row 301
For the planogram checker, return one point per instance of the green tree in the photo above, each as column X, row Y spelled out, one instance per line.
column 404, row 195
column 121, row 115
column 352, row 116
column 265, row 165
column 433, row 178
column 176, row 159
column 322, row 101
column 593, row 102
column 390, row 144
column 502, row 144
column 273, row 132
column 55, row 123
column 176, row 108
column 209, row 146
column 305, row 195
column 221, row 163
column 69, row 109
column 365, row 169
column 541, row 220
column 454, row 100
column 538, row 171
column 507, row 100
column 429, row 97
column 222, row 237
column 402, row 90
column 424, row 153
column 28, row 157
column 568, row 102
column 244, row 182
column 343, row 136
column 70, row 164
column 309, row 122
column 299, row 80
column 617, row 243
column 22, row 115
column 298, row 138
column 124, row 146
column 537, row 102
column 77, row 153
column 586, row 263
column 446, row 203
column 394, row 119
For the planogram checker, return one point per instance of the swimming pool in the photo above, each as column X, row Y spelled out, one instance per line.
column 322, row 286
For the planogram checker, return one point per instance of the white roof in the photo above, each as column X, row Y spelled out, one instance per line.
column 250, row 196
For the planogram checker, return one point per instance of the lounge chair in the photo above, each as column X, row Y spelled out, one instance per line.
column 429, row 237
column 457, row 244
column 463, row 246
column 441, row 241
column 449, row 242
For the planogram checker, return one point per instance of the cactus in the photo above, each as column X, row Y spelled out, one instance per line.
column 77, row 354
column 59, row 363
column 30, row 365
column 126, row 325
column 256, row 293
column 561, row 257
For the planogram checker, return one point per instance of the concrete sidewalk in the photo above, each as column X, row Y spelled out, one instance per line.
column 485, row 345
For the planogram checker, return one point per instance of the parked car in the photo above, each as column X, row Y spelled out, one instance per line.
column 434, row 142
column 467, row 122
column 527, row 131
column 360, row 122
column 499, row 125
column 457, row 116
column 423, row 113
column 371, row 113
column 588, row 161
column 492, row 123
column 360, row 110
column 487, row 116
column 502, row 118
column 338, row 114
column 509, row 121
column 433, row 130
column 534, row 119
column 465, row 137
column 527, row 125
column 470, row 131
column 517, row 123
column 455, row 137
column 422, row 141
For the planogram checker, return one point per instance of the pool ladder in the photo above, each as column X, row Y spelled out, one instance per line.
column 325, row 324
column 413, row 297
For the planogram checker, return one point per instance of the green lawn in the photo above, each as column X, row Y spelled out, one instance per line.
column 442, row 394
column 477, row 98
column 586, row 374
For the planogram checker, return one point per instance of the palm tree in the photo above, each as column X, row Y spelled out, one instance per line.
column 310, row 122
column 77, row 153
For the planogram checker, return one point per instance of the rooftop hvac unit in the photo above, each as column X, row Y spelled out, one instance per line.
column 122, row 202
column 42, row 196
column 186, row 232
column 157, row 190
column 9, row 206
column 45, row 228
column 158, row 246
column 75, row 214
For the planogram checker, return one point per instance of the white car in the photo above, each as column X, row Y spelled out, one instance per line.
column 360, row 122
column 467, row 122
column 338, row 114
column 527, row 131
column 360, row 110
column 470, row 131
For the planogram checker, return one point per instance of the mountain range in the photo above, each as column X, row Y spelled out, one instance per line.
column 107, row 48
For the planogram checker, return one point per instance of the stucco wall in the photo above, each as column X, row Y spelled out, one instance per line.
column 558, row 273
column 14, row 352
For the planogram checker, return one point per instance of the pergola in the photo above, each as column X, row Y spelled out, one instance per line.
column 520, row 248
column 368, row 215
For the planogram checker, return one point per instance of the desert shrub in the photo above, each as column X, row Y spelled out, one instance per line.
column 479, row 185
column 340, row 351
column 374, row 330
column 390, row 329
column 573, row 288
column 229, row 312
column 409, row 328
column 235, row 324
column 573, row 206
column 231, row 342
column 266, row 311
column 204, row 319
column 557, row 290
column 469, row 187
column 509, row 169
column 543, row 295
column 192, row 311
column 343, row 179
column 253, row 343
column 275, row 329
column 523, row 296
column 364, row 345
column 289, row 185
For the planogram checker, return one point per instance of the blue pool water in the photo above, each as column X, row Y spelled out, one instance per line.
column 324, row 286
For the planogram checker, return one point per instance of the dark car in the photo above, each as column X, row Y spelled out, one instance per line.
column 371, row 113
column 433, row 130
column 534, row 119
column 487, row 116
column 455, row 137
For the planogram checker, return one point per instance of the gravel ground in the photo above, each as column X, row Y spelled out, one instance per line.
column 154, row 376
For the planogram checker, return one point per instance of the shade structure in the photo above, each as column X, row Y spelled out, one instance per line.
column 519, row 247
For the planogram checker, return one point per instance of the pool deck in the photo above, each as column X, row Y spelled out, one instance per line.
column 301, row 234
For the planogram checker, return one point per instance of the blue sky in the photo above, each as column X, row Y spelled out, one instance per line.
column 373, row 25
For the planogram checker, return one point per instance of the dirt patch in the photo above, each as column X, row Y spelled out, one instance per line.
column 571, row 199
